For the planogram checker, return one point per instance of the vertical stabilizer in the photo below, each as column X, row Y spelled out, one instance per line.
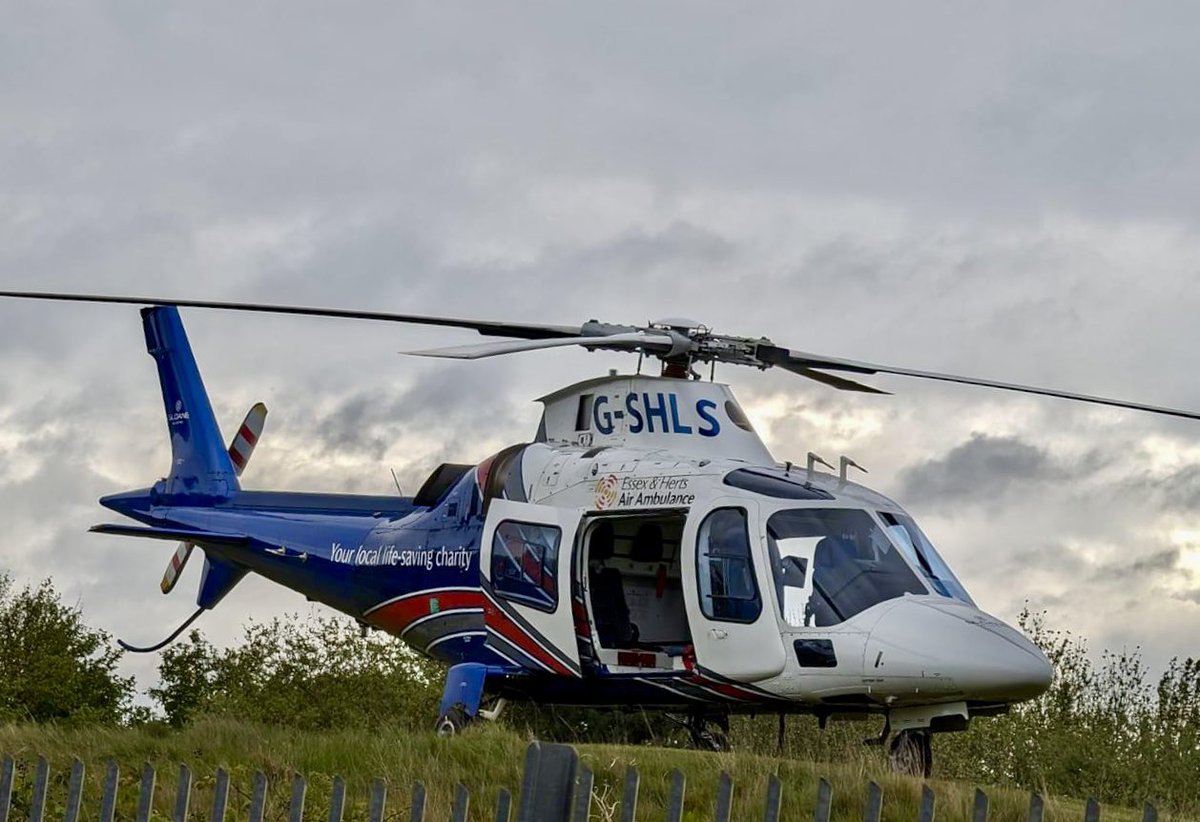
column 200, row 463
column 218, row 580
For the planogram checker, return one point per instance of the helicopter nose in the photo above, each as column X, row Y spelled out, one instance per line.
column 926, row 646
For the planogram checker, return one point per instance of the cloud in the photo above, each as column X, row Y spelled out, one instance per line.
column 980, row 470
column 816, row 175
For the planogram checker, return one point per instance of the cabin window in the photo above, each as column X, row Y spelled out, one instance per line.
column 525, row 563
column 725, row 571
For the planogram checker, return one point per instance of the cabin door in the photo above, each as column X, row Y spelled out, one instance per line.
column 525, row 560
column 726, row 578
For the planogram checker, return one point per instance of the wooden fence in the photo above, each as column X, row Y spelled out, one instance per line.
column 556, row 786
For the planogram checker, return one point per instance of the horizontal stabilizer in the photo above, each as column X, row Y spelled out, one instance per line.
column 186, row 534
column 219, row 576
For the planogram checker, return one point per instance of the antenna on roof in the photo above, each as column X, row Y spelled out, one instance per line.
column 847, row 464
column 813, row 459
column 396, row 480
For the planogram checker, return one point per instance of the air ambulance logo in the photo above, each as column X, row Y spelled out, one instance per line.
column 606, row 492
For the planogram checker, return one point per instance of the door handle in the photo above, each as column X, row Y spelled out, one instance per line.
column 718, row 633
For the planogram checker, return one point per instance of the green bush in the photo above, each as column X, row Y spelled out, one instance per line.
column 315, row 672
column 52, row 666
column 1101, row 729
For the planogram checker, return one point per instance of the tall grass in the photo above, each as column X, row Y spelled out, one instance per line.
column 485, row 759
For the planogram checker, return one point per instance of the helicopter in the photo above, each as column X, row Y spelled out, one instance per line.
column 644, row 548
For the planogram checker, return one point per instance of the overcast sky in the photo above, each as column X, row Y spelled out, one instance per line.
column 1008, row 190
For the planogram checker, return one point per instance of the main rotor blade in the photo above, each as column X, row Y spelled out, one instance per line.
column 487, row 328
column 830, row 379
column 800, row 359
column 632, row 340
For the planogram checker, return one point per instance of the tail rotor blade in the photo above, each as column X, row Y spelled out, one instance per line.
column 247, row 437
column 175, row 567
column 239, row 453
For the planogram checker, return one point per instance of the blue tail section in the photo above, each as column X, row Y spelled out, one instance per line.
column 200, row 463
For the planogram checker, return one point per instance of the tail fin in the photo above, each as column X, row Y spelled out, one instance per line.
column 200, row 463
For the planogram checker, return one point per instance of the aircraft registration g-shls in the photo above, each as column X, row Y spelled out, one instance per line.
column 643, row 549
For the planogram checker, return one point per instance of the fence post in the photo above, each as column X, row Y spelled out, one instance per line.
column 529, row 777
column 547, row 783
column 183, row 794
column 980, row 813
column 462, row 801
column 1149, row 813
column 258, row 799
column 296, row 805
column 824, row 800
column 874, row 810
column 581, row 807
column 503, row 805
column 108, row 800
column 220, row 796
column 379, row 800
column 675, row 802
column 725, row 796
column 41, row 780
column 337, row 799
column 1092, row 812
column 74, row 792
column 927, row 804
column 629, row 795
column 146, row 794
column 774, row 799
column 7, row 769
column 1037, row 808
column 417, row 814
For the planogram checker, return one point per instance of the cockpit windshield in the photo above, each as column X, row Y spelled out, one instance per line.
column 832, row 563
column 920, row 551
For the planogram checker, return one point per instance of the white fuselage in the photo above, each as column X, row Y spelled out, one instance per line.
column 802, row 584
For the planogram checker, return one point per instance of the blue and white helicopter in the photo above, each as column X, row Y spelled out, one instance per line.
column 643, row 549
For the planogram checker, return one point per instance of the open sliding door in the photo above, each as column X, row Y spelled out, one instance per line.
column 525, row 566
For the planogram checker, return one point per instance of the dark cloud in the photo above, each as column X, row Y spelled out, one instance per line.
column 981, row 470
column 439, row 404
column 1177, row 491
column 1163, row 560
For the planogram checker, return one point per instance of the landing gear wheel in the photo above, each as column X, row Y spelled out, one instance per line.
column 709, row 733
column 911, row 753
column 452, row 723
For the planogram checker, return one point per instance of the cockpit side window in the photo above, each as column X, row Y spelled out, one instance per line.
column 832, row 563
column 724, row 568
column 920, row 551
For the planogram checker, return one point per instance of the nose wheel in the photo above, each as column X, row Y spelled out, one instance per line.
column 911, row 753
column 452, row 722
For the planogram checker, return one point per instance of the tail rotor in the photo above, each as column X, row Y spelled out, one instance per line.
column 239, row 454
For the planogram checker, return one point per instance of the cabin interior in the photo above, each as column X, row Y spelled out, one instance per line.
column 634, row 588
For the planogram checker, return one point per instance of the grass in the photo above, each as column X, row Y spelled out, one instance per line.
column 485, row 759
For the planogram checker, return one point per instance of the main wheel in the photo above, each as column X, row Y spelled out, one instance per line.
column 911, row 753
column 710, row 739
column 709, row 733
